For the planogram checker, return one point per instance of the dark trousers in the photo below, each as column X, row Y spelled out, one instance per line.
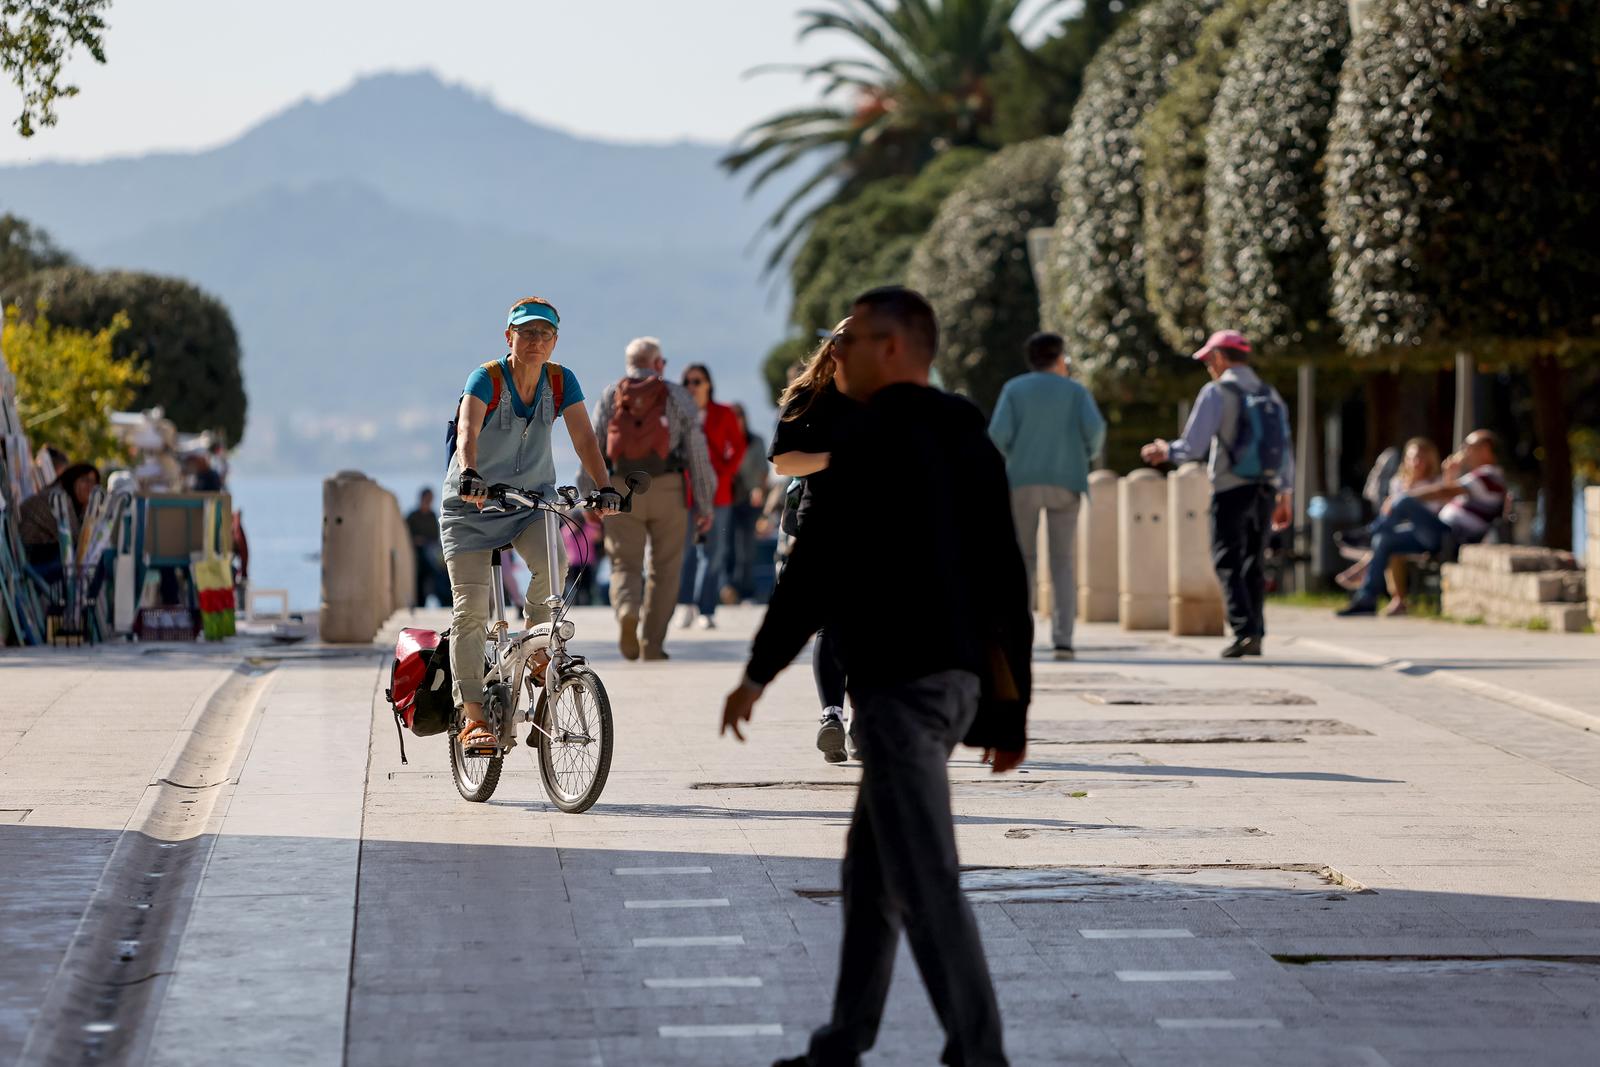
column 828, row 667
column 1240, row 521
column 901, row 870
column 741, row 552
column 1407, row 528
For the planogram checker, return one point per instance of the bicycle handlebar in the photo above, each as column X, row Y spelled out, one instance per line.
column 504, row 497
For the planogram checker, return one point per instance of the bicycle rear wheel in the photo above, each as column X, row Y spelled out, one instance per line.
column 475, row 776
column 575, row 754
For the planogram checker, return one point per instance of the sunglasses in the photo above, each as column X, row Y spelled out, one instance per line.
column 695, row 381
column 538, row 333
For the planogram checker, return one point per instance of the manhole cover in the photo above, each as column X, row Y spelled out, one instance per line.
column 1111, row 830
column 1197, row 697
column 1186, row 731
column 974, row 787
column 1451, row 966
column 1071, row 885
column 13, row 815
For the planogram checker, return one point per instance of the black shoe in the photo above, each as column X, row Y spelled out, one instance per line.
column 831, row 738
column 1358, row 606
column 1242, row 646
column 1064, row 652
column 795, row 1061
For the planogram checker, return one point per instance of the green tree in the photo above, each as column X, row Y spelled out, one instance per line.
column 922, row 86
column 1266, row 251
column 184, row 338
column 25, row 248
column 867, row 241
column 1173, row 136
column 1035, row 88
column 973, row 266
column 69, row 382
column 36, row 37
column 1462, row 166
column 1095, row 275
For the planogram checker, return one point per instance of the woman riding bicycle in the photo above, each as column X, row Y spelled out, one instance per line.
column 503, row 427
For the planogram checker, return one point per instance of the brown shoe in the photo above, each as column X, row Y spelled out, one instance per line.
column 628, row 643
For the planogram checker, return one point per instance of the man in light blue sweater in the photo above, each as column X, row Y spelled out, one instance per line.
column 1049, row 429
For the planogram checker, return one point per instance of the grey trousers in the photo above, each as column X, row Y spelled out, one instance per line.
column 1060, row 507
column 473, row 600
column 901, row 869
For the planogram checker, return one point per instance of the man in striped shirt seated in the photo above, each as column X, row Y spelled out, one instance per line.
column 1474, row 492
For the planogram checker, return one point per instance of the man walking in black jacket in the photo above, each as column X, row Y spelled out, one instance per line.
column 936, row 638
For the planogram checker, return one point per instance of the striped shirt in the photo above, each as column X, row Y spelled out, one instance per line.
column 1482, row 501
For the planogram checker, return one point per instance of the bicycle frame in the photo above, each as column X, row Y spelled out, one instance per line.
column 511, row 653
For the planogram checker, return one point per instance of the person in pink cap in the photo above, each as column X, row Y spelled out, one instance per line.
column 1242, row 423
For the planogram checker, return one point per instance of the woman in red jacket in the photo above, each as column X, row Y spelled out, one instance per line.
column 702, row 579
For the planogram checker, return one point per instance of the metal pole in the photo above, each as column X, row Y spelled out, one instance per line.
column 1305, row 471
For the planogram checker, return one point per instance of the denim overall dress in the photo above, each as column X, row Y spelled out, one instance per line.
column 513, row 450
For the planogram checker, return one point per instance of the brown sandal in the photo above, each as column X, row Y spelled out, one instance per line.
column 476, row 737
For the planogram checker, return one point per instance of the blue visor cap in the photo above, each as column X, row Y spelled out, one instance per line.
column 529, row 312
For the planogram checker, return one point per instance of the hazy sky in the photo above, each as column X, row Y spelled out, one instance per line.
column 194, row 73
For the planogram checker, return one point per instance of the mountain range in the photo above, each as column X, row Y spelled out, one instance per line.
column 368, row 246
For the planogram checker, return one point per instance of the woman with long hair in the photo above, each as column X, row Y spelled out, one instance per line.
column 816, row 418
column 702, row 575
column 1419, row 467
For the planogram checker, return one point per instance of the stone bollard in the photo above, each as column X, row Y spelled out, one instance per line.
column 1142, row 551
column 367, row 569
column 1097, row 550
column 1194, row 595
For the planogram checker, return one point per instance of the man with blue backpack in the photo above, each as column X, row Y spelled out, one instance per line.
column 1244, row 424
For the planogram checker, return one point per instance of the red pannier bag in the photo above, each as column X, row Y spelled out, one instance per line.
column 420, row 684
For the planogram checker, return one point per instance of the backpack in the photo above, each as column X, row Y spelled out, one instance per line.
column 558, row 389
column 639, row 436
column 1256, row 451
column 420, row 684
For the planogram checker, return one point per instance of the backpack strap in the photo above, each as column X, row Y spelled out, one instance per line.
column 558, row 384
column 497, row 380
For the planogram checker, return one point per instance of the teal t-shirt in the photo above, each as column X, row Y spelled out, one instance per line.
column 481, row 386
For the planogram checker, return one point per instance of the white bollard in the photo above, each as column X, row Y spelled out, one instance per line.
column 1142, row 551
column 1097, row 549
column 363, row 574
column 1195, row 598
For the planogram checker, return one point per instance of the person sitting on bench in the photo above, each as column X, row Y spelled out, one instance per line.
column 1474, row 495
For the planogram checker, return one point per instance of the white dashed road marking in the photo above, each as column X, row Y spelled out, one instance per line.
column 724, row 1030
column 713, row 941
column 723, row 982
column 1133, row 933
column 1175, row 976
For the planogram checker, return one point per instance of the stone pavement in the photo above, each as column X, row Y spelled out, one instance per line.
column 1308, row 859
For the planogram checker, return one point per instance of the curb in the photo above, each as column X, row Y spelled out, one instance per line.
column 1548, row 709
column 119, row 961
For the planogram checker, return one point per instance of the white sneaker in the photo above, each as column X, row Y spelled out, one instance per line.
column 706, row 622
column 831, row 735
column 686, row 616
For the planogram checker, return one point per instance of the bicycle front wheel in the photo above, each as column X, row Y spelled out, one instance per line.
column 575, row 744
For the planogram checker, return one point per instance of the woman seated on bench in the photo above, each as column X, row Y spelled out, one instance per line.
column 1419, row 466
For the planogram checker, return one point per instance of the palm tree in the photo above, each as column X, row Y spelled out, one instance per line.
column 924, row 86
